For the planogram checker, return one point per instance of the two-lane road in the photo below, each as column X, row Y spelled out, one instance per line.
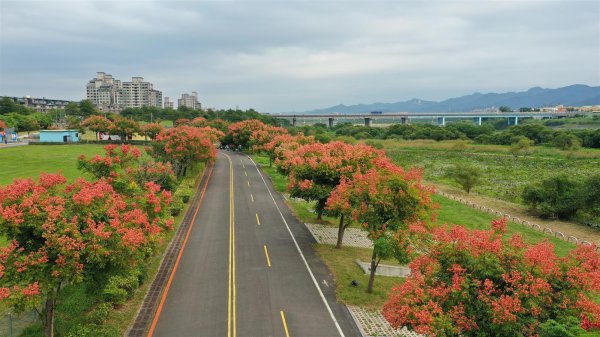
column 243, row 272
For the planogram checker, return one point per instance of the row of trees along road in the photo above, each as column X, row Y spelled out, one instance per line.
column 462, row 282
column 99, row 231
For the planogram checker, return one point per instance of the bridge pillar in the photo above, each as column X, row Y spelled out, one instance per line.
column 403, row 120
column 477, row 120
column 513, row 120
column 441, row 121
column 330, row 122
column 294, row 121
column 368, row 121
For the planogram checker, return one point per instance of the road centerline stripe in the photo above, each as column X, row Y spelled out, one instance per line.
column 287, row 333
column 267, row 255
column 231, row 292
column 257, row 219
column 251, row 197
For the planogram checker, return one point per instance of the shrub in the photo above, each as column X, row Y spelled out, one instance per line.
column 465, row 175
column 556, row 197
column 176, row 206
column 92, row 330
column 520, row 145
column 185, row 193
column 119, row 288
column 100, row 314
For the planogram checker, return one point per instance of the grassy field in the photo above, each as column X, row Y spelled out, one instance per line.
column 30, row 160
column 504, row 176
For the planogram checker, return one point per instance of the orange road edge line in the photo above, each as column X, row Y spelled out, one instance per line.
column 187, row 235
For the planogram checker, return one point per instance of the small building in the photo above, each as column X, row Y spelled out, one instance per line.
column 59, row 136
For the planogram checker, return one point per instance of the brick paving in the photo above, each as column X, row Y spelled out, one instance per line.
column 353, row 237
column 372, row 324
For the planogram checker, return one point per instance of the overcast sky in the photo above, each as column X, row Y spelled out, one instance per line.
column 278, row 56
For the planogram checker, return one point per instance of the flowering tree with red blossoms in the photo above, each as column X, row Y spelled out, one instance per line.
column 239, row 133
column 61, row 234
column 199, row 122
column 475, row 283
column 259, row 138
column 151, row 130
column 315, row 169
column 278, row 145
column 127, row 170
column 385, row 200
column 267, row 139
column 97, row 124
column 184, row 145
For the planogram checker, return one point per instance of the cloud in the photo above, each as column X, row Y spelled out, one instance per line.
column 296, row 55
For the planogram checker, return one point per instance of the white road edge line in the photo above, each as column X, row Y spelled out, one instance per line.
column 337, row 325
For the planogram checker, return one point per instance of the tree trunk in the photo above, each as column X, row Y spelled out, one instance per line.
column 341, row 230
column 49, row 317
column 270, row 161
column 320, row 208
column 372, row 275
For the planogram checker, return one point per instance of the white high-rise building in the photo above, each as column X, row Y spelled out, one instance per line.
column 167, row 103
column 190, row 101
column 103, row 91
column 110, row 94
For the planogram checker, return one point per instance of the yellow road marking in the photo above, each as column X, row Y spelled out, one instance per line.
column 287, row 333
column 252, row 197
column 248, row 183
column 257, row 219
column 246, row 173
column 267, row 255
column 231, row 296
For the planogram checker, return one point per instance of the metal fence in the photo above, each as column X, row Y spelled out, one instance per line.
column 11, row 325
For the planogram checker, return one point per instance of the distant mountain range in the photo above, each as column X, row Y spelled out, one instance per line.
column 573, row 95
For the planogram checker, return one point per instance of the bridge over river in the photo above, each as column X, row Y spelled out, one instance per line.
column 439, row 118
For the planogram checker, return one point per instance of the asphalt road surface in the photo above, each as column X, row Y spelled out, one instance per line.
column 248, row 267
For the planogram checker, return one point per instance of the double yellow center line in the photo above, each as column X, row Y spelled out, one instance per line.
column 231, row 300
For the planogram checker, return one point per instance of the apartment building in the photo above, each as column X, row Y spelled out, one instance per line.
column 190, row 101
column 167, row 103
column 110, row 94
column 39, row 104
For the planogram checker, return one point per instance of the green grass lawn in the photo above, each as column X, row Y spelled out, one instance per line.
column 30, row 160
column 345, row 270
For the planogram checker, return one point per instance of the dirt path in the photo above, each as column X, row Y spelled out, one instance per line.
column 568, row 228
